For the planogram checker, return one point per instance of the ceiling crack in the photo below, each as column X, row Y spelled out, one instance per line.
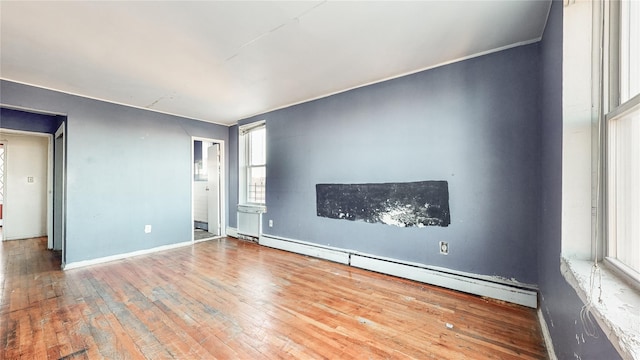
column 154, row 103
column 295, row 19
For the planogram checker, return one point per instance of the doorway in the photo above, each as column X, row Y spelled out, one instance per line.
column 31, row 158
column 25, row 184
column 207, row 184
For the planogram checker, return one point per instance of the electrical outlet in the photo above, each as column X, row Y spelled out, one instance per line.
column 270, row 223
column 29, row 179
column 444, row 248
column 147, row 229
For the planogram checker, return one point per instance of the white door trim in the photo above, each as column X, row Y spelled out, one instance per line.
column 3, row 179
column 222, row 185
column 60, row 132
column 50, row 189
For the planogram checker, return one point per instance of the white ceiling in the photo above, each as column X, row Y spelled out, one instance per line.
column 224, row 61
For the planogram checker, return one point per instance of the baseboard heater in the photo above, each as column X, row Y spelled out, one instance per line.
column 250, row 220
column 455, row 280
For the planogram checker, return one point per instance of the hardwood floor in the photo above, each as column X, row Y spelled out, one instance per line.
column 231, row 299
column 199, row 234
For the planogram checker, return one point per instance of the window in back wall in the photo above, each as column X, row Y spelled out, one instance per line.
column 253, row 164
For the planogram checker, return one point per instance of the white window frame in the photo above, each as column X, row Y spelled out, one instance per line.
column 616, row 104
column 612, row 239
column 245, row 164
column 585, row 263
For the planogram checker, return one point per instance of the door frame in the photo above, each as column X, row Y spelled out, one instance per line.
column 221, row 186
column 3, row 179
column 61, row 131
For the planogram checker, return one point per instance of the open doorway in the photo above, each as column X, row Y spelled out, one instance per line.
column 27, row 165
column 207, row 194
column 25, row 184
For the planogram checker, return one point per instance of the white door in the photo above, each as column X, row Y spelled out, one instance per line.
column 213, row 189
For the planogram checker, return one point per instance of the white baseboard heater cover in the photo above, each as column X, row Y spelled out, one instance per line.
column 321, row 252
column 451, row 280
column 250, row 220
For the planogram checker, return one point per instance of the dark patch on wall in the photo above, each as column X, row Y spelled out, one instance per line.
column 422, row 203
column 27, row 121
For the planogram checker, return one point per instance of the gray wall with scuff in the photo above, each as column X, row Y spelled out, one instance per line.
column 559, row 302
column 474, row 124
column 126, row 168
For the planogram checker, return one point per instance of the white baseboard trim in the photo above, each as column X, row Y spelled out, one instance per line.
column 78, row 264
column 547, row 336
column 455, row 280
column 233, row 232
column 299, row 247
column 450, row 281
column 23, row 237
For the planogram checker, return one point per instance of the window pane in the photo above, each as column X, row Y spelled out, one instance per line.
column 200, row 158
column 256, row 184
column 624, row 189
column 257, row 147
column 629, row 49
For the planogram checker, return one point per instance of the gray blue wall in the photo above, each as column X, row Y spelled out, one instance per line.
column 474, row 124
column 558, row 301
column 126, row 168
column 28, row 121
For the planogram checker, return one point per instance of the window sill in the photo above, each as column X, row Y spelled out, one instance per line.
column 252, row 208
column 619, row 312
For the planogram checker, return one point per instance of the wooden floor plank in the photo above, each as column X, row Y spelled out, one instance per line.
column 231, row 299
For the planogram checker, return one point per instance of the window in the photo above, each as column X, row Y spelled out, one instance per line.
column 623, row 139
column 253, row 166
column 600, row 166
column 200, row 159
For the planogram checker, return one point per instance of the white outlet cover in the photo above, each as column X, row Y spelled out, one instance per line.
column 147, row 229
column 444, row 248
column 270, row 223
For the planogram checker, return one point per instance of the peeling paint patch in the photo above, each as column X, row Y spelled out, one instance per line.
column 616, row 314
column 411, row 204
